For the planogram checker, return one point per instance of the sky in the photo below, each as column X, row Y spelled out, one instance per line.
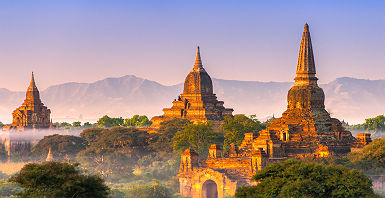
column 85, row 41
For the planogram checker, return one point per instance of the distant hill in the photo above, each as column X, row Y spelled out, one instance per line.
column 346, row 98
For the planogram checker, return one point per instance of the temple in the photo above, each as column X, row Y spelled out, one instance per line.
column 197, row 103
column 304, row 130
column 32, row 113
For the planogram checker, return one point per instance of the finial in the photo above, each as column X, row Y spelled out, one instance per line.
column 198, row 61
column 306, row 28
column 32, row 79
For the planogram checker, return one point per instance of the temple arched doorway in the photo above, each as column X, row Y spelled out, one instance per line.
column 209, row 189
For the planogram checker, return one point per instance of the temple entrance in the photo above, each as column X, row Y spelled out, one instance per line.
column 209, row 189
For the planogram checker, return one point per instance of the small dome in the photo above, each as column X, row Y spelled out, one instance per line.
column 198, row 81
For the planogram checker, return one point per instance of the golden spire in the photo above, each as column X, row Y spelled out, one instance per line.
column 32, row 84
column 49, row 156
column 306, row 67
column 198, row 61
column 32, row 94
column 306, row 58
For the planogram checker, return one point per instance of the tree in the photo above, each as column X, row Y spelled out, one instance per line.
column 65, row 125
column 138, row 121
column 106, row 121
column 1, row 124
column 76, row 124
column 371, row 156
column 61, row 145
column 294, row 178
column 196, row 136
column 115, row 152
column 87, row 124
column 162, row 141
column 58, row 179
column 150, row 191
column 375, row 124
column 236, row 127
column 92, row 135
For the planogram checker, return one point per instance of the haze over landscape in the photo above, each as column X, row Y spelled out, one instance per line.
column 348, row 99
column 199, row 99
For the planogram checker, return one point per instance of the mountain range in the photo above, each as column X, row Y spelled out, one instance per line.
column 348, row 99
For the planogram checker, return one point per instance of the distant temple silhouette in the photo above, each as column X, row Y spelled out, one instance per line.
column 198, row 102
column 32, row 113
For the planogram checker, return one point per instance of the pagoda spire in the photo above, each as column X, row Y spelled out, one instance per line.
column 49, row 156
column 306, row 58
column 32, row 95
column 32, row 84
column 198, row 61
column 306, row 66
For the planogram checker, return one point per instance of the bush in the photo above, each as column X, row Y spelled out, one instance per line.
column 294, row 178
column 58, row 179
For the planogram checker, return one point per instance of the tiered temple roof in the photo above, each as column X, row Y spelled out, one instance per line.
column 198, row 102
column 32, row 113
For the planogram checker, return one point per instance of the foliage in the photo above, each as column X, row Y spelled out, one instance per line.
column 8, row 189
column 1, row 124
column 374, row 124
column 138, row 121
column 87, row 124
column 106, row 121
column 155, row 190
column 61, row 145
column 114, row 152
column 196, row 136
column 162, row 141
column 371, row 156
column 76, row 124
column 236, row 127
column 91, row 134
column 58, row 179
column 65, row 125
column 294, row 178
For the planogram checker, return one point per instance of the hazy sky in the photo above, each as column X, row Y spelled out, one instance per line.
column 85, row 41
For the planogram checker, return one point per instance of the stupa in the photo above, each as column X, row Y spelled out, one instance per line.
column 198, row 102
column 32, row 113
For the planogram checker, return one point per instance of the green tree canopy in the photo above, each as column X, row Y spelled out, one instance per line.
column 162, row 141
column 92, row 135
column 155, row 190
column 196, row 136
column 115, row 151
column 58, row 179
column 64, row 125
column 87, row 124
column 371, row 156
column 138, row 121
column 374, row 124
column 61, row 145
column 107, row 121
column 294, row 178
column 236, row 127
column 76, row 124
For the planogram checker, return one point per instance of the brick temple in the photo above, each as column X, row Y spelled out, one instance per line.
column 304, row 130
column 198, row 102
column 32, row 113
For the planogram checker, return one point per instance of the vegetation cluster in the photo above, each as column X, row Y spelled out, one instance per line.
column 134, row 163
